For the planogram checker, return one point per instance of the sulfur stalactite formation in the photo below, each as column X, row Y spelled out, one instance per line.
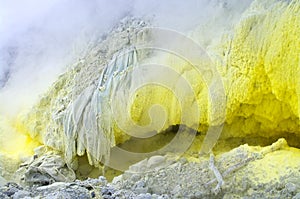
column 89, row 119
column 71, row 118
column 259, row 68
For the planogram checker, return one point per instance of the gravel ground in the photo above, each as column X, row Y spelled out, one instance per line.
column 243, row 173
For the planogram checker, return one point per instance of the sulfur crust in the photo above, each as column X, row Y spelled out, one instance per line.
column 260, row 71
column 260, row 74
column 15, row 141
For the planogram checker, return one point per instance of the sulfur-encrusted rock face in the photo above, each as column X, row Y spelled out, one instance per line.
column 258, row 66
column 262, row 71
column 61, row 117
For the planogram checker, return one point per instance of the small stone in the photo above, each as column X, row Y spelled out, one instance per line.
column 21, row 194
column 141, row 190
column 176, row 190
column 139, row 167
column 297, row 196
column 117, row 179
column 144, row 196
column 183, row 160
column 140, row 184
column 107, row 191
column 164, row 196
column 155, row 161
column 290, row 187
column 11, row 189
column 199, row 194
column 140, row 187
column 102, row 179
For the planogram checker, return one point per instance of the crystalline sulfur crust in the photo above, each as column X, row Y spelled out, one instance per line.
column 260, row 71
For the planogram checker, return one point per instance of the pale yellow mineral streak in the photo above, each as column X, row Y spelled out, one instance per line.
column 15, row 142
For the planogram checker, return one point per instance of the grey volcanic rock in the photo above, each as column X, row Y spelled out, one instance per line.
column 45, row 167
column 244, row 171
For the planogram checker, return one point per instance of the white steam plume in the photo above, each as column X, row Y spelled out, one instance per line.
column 38, row 39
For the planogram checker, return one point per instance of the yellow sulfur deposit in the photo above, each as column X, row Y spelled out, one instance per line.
column 258, row 65
column 262, row 72
column 15, row 140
